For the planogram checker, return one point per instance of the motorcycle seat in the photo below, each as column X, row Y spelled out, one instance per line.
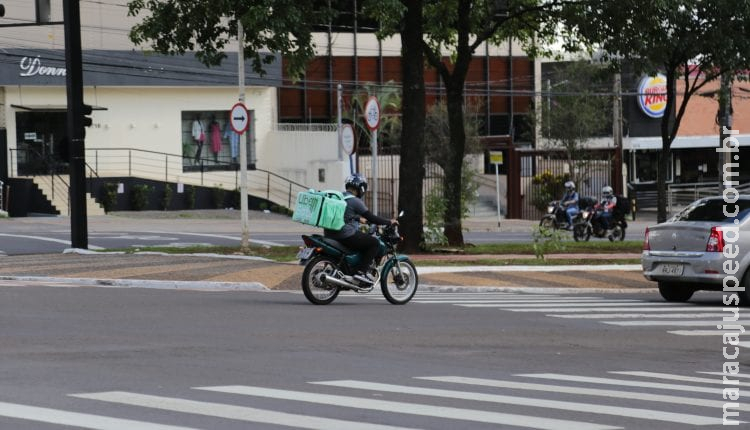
column 336, row 244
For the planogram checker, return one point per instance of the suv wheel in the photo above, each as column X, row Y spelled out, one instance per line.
column 675, row 292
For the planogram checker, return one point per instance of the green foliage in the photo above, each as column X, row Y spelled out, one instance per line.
column 433, row 214
column 218, row 193
column 167, row 196
column 109, row 196
column 547, row 240
column 389, row 99
column 139, row 196
column 283, row 27
column 190, row 196
column 548, row 187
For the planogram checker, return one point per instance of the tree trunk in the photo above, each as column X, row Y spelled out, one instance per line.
column 452, row 182
column 411, row 169
column 667, row 123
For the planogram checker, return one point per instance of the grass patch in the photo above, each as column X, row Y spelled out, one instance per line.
column 571, row 247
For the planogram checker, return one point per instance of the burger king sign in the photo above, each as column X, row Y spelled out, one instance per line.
column 652, row 95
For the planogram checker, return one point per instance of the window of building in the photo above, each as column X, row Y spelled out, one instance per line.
column 208, row 141
column 645, row 164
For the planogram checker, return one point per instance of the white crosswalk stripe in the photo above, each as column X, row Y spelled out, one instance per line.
column 627, row 400
column 240, row 413
column 410, row 408
column 610, row 311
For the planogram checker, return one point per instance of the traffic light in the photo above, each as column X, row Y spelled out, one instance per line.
column 86, row 111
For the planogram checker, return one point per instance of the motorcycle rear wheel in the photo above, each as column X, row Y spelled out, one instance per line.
column 618, row 233
column 316, row 291
column 399, row 281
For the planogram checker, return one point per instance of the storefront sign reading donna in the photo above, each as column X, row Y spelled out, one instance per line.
column 34, row 67
column 652, row 95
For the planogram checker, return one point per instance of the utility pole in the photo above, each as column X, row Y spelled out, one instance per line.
column 725, row 124
column 243, row 139
column 75, row 124
column 617, row 133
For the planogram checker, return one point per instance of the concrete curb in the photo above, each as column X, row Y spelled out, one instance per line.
column 561, row 268
column 150, row 284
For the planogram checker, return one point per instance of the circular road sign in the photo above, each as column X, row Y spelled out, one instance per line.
column 347, row 138
column 239, row 119
column 372, row 113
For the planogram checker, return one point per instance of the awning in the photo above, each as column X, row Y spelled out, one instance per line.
column 680, row 142
column 50, row 108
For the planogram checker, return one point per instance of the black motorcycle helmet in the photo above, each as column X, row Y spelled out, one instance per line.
column 356, row 182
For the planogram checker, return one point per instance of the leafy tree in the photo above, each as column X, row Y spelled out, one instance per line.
column 572, row 113
column 206, row 26
column 692, row 41
column 460, row 27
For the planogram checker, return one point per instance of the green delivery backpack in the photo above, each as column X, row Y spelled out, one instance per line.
column 321, row 208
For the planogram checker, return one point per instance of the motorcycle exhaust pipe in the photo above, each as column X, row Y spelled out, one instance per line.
column 330, row 280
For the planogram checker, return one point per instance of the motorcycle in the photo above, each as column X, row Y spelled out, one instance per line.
column 328, row 269
column 555, row 217
column 590, row 224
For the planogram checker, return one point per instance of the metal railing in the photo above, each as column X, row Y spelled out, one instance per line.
column 160, row 166
column 680, row 195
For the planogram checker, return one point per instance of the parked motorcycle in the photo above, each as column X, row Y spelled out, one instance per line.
column 328, row 269
column 590, row 224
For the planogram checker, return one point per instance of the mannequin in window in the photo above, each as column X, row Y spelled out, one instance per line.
column 198, row 137
column 215, row 130
column 234, row 140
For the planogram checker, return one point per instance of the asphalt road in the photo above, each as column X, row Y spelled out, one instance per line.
column 167, row 359
column 39, row 235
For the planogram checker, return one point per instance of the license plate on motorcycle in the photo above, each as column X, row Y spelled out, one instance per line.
column 305, row 253
column 671, row 269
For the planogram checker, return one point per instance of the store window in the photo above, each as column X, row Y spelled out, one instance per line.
column 645, row 165
column 40, row 144
column 209, row 143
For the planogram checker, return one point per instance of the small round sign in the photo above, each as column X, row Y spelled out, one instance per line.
column 652, row 95
column 347, row 138
column 372, row 113
column 239, row 118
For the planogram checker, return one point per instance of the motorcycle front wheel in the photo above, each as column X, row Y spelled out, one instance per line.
column 548, row 222
column 399, row 281
column 316, row 291
column 581, row 232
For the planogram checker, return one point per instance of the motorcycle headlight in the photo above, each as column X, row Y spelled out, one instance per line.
column 585, row 214
column 550, row 209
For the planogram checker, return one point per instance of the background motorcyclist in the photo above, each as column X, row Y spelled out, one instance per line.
column 569, row 202
column 350, row 236
column 606, row 207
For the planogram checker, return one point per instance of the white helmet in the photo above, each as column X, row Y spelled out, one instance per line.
column 570, row 185
column 607, row 191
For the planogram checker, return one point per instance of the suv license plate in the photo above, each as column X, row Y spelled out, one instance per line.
column 671, row 269
column 305, row 253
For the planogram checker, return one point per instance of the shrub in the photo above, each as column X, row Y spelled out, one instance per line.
column 190, row 196
column 167, row 196
column 545, row 240
column 218, row 192
column 109, row 196
column 139, row 196
column 547, row 187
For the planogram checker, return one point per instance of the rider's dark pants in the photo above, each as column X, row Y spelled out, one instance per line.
column 366, row 245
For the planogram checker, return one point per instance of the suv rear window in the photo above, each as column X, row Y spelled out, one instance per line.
column 713, row 211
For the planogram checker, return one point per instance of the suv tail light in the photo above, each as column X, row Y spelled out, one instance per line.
column 646, row 245
column 715, row 240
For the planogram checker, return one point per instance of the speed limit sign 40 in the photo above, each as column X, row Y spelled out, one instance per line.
column 372, row 113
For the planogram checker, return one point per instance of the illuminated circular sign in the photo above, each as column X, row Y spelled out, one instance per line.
column 652, row 95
